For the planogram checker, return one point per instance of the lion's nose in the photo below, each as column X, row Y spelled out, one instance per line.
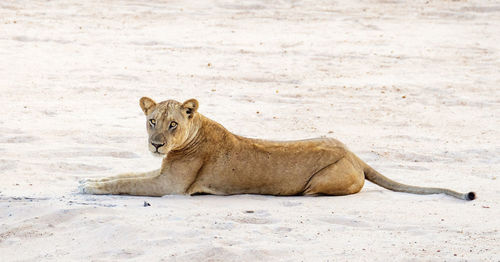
column 157, row 145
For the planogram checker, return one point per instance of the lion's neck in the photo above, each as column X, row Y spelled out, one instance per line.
column 215, row 132
column 207, row 133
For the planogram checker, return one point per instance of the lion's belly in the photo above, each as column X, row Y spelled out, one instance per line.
column 256, row 183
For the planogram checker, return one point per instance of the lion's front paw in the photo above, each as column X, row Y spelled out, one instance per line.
column 83, row 181
column 90, row 188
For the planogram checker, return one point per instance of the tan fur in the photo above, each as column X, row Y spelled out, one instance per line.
column 202, row 157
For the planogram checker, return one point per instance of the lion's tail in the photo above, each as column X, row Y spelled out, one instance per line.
column 383, row 181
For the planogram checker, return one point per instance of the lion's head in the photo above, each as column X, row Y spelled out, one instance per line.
column 169, row 123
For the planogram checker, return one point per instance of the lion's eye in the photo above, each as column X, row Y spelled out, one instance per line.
column 173, row 125
column 152, row 122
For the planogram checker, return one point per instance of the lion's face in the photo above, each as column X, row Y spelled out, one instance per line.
column 169, row 123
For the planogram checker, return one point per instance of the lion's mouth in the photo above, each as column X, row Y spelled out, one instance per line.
column 157, row 153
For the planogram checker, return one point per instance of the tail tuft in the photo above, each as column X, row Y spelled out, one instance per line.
column 470, row 196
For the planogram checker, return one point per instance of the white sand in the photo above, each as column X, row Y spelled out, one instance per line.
column 412, row 87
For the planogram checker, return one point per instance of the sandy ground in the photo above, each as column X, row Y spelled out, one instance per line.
column 413, row 87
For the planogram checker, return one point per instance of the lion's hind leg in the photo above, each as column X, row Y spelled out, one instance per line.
column 340, row 178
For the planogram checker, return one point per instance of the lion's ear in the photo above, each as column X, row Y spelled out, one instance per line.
column 190, row 107
column 147, row 105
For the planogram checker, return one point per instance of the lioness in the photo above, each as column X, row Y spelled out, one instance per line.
column 202, row 157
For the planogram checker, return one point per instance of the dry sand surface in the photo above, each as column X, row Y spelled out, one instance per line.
column 413, row 87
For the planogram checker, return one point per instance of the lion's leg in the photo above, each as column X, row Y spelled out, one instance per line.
column 340, row 178
column 142, row 186
column 124, row 175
